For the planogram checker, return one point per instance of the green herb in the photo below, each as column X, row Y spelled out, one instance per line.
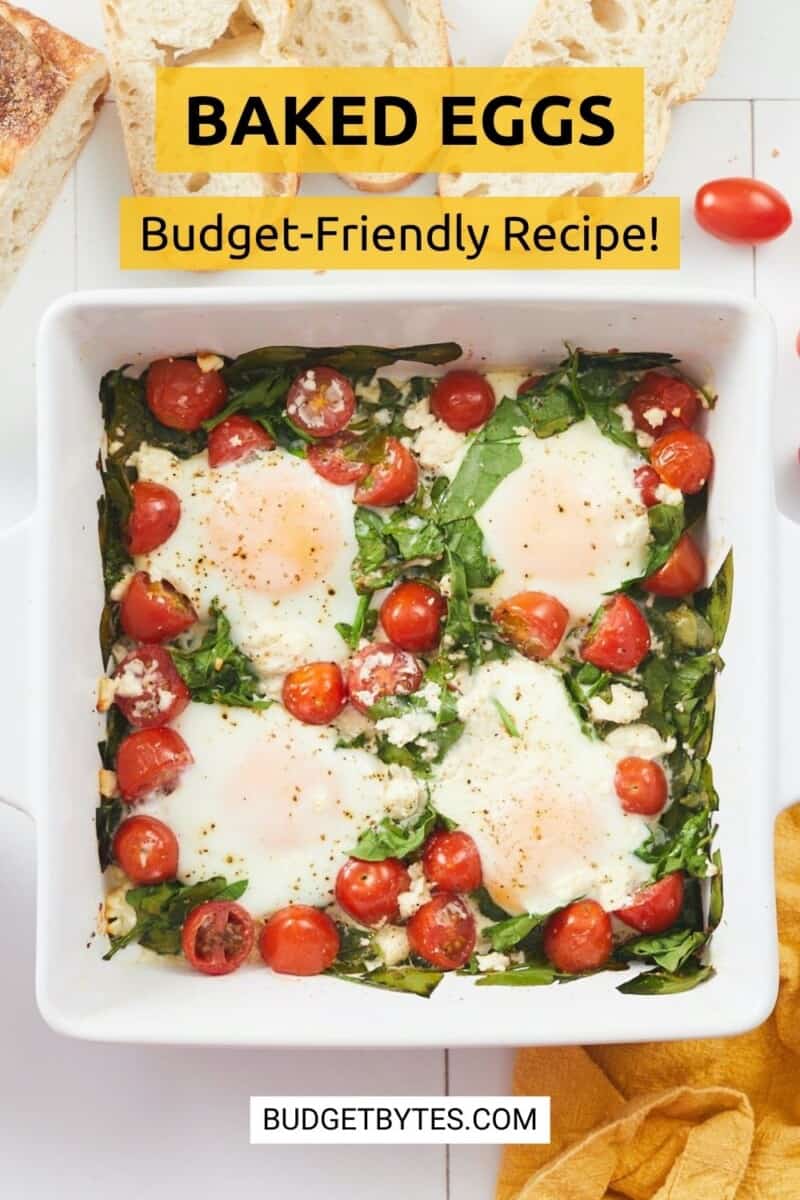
column 363, row 624
column 715, row 603
column 716, row 898
column 262, row 400
column 552, row 406
column 216, row 671
column 666, row 983
column 107, row 817
column 493, row 455
column 667, row 523
column 391, row 839
column 356, row 948
column 416, row 981
column 530, row 975
column 513, row 930
column 129, row 422
column 508, row 722
column 387, row 545
column 583, row 681
column 114, row 510
column 350, row 360
column 465, row 543
column 487, row 906
column 670, row 951
column 162, row 908
column 685, row 848
column 117, row 728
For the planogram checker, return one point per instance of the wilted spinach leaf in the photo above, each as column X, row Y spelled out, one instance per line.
column 416, row 981
column 669, row 950
column 350, row 360
column 391, row 839
column 666, row 983
column 216, row 671
column 129, row 422
column 162, row 908
column 107, row 817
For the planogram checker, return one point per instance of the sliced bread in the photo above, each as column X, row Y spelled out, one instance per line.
column 50, row 88
column 676, row 41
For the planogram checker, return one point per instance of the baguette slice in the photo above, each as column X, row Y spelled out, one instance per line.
column 676, row 41
column 50, row 88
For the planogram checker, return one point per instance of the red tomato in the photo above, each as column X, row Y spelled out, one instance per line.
column 411, row 616
column 647, row 481
column 321, row 401
column 368, row 891
column 299, row 940
column 150, row 760
column 682, row 573
column 155, row 516
column 147, row 850
column 443, row 931
column 533, row 622
column 683, row 460
column 315, row 693
column 149, row 691
column 217, row 937
column 236, row 437
column 641, row 786
column 464, row 400
column 451, row 861
column 578, row 938
column 529, row 384
column 656, row 907
column 379, row 670
column 329, row 460
column 391, row 481
column 153, row 611
column 661, row 403
column 620, row 639
column 742, row 210
column 182, row 396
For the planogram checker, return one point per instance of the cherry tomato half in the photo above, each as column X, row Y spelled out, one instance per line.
column 236, row 437
column 411, row 616
column 656, row 907
column 379, row 670
column 391, row 481
column 451, row 861
column 315, row 693
column 641, row 786
column 683, row 460
column 146, row 850
column 742, row 210
column 299, row 940
column 619, row 639
column 368, row 891
column 328, row 458
column 682, row 573
column 150, row 760
column 648, row 482
column 443, row 932
column 154, row 517
column 182, row 396
column 661, row 403
column 464, row 400
column 217, row 937
column 578, row 938
column 533, row 622
column 148, row 689
column 321, row 401
column 153, row 611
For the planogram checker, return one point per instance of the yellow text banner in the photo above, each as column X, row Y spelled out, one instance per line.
column 399, row 120
column 316, row 232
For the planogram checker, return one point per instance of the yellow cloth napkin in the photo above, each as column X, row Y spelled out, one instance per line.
column 712, row 1120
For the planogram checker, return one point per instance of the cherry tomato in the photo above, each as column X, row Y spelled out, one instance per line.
column 315, row 693
column 742, row 210
column 641, row 786
column 299, row 940
column 533, row 622
column 328, row 458
column 411, row 616
column 443, row 932
column 683, row 460
column 464, row 400
column 529, row 384
column 236, row 437
column 656, row 907
column 150, row 760
column 368, row 891
column 682, row 573
column 391, row 481
column 451, row 862
column 182, row 396
column 146, row 850
column 379, row 670
column 153, row 611
column 620, row 639
column 217, row 937
column 578, row 938
column 661, row 403
column 155, row 516
column 321, row 401
column 648, row 482
column 149, row 691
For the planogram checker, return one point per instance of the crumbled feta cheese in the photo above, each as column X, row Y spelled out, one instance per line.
column 107, row 782
column 134, row 679
column 655, row 417
column 626, row 705
column 382, row 417
column 437, row 447
column 105, row 693
column 432, row 695
column 210, row 362
column 419, row 415
column 645, row 440
column 626, row 416
column 391, row 942
column 402, row 730
column 404, row 793
column 668, row 495
column 118, row 917
column 494, row 961
column 641, row 741
column 446, row 585
column 418, row 894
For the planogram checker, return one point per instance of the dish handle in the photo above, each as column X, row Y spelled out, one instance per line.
column 15, row 703
column 788, row 681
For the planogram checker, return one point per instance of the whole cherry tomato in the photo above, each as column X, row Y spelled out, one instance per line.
column 742, row 210
column 464, row 400
column 656, row 907
column 534, row 622
column 411, row 616
column 146, row 850
column 150, row 760
column 299, row 940
column 391, row 481
column 154, row 517
column 182, row 396
column 578, row 938
column 217, row 937
column 683, row 459
column 619, row 637
column 379, row 670
column 682, row 573
column 641, row 786
column 443, row 932
column 368, row 891
column 236, row 437
column 451, row 861
column 661, row 403
column 321, row 401
column 315, row 693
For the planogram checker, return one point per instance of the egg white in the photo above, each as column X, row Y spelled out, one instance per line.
column 268, row 538
column 276, row 802
column 542, row 806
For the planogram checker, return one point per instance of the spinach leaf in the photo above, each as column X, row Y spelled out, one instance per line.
column 390, row 839
column 162, row 908
column 528, row 975
column 465, row 542
column 363, row 623
column 666, row 983
column 107, row 817
column 510, row 932
column 388, row 545
column 117, row 728
column 715, row 602
column 356, row 948
column 262, row 400
column 216, row 671
column 682, row 629
column 667, row 523
column 583, row 681
column 416, row 981
column 670, row 951
column 114, row 510
column 684, row 848
column 487, row 906
column 506, row 719
column 494, row 453
column 716, row 898
column 635, row 361
column 552, row 406
column 129, row 422
column 350, row 360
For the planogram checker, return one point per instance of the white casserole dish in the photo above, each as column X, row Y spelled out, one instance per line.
column 724, row 340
